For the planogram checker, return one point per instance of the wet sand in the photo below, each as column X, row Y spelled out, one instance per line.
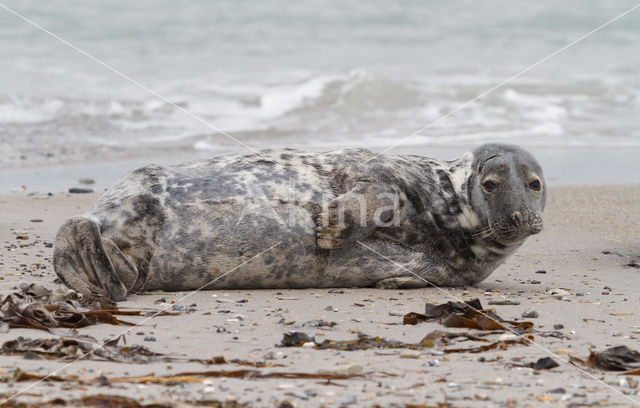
column 591, row 236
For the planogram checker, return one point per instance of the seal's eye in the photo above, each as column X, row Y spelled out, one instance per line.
column 535, row 185
column 489, row 186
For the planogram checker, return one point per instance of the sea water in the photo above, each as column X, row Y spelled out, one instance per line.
column 312, row 75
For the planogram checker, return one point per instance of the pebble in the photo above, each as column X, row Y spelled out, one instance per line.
column 507, row 337
column 434, row 363
column 558, row 326
column 86, row 181
column 436, row 352
column 221, row 300
column 504, row 302
column 558, row 293
column 80, row 190
column 179, row 308
column 103, row 381
column 530, row 313
column 149, row 338
column 342, row 369
column 541, row 271
column 410, row 354
column 309, row 344
column 349, row 399
column 221, row 329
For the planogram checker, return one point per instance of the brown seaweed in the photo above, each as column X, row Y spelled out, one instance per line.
column 468, row 314
column 435, row 338
column 617, row 358
column 117, row 401
column 40, row 308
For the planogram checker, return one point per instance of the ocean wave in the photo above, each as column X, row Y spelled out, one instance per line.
column 356, row 107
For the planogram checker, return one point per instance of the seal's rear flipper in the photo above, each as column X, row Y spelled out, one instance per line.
column 82, row 260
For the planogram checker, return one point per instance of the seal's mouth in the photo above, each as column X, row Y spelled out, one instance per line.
column 517, row 226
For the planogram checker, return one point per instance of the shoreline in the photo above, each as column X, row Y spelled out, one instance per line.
column 563, row 167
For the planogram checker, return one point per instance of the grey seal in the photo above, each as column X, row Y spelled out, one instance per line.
column 331, row 219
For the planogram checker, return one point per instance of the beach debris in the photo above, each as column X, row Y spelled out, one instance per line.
column 39, row 308
column 468, row 314
column 318, row 323
column 184, row 377
column 105, row 400
column 530, row 314
column 87, row 347
column 72, row 348
column 80, row 190
column 544, row 363
column 617, row 358
column 435, row 338
column 558, row 293
column 504, row 302
column 343, row 369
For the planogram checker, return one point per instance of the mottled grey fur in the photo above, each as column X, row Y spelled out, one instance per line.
column 183, row 226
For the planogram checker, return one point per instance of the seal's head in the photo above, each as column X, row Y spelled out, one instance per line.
column 508, row 191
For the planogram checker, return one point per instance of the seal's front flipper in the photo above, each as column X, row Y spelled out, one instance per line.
column 82, row 262
column 403, row 282
column 357, row 213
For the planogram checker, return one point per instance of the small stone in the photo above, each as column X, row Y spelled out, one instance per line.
column 149, row 338
column 309, row 344
column 339, row 291
column 222, row 300
column 558, row 293
column 30, row 355
column 161, row 300
column 318, row 323
column 221, row 329
column 80, row 190
column 530, row 313
column 558, row 326
column 557, row 391
column 541, row 271
column 535, row 282
column 434, row 363
column 504, row 302
column 36, row 220
column 179, row 308
column 349, row 399
column 48, row 244
column 410, row 354
column 269, row 356
column 103, row 381
column 508, row 337
column 342, row 369
column 86, row 180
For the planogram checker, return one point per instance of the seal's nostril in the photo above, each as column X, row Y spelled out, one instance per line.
column 517, row 218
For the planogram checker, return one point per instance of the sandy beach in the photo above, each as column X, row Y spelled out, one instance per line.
column 588, row 248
